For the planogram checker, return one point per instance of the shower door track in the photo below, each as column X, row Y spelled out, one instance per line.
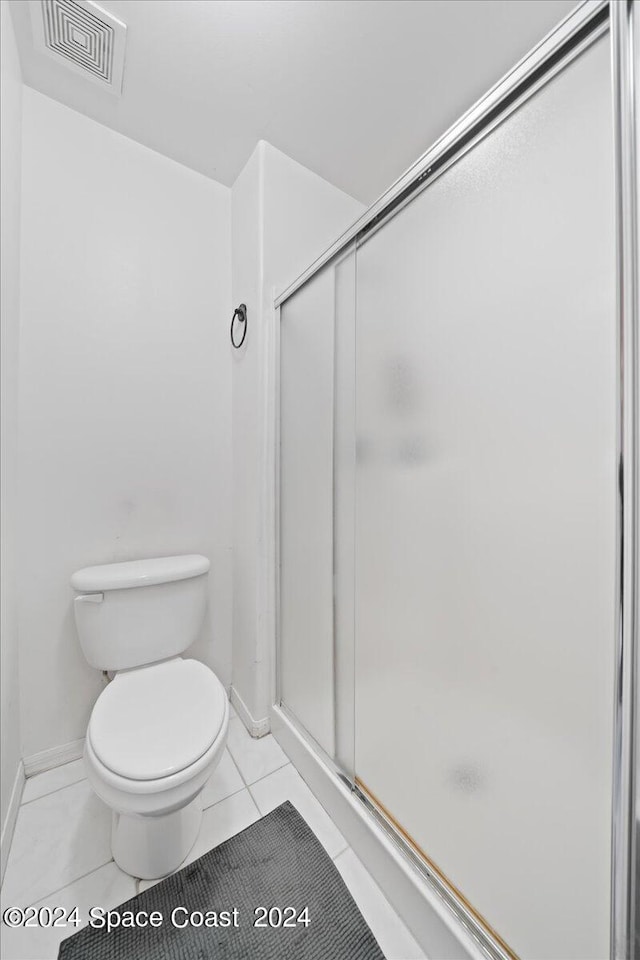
column 496, row 946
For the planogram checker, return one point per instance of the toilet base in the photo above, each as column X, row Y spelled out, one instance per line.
column 152, row 847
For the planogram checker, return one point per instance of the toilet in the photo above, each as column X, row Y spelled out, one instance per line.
column 158, row 729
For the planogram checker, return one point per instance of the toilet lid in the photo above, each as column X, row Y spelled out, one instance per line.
column 154, row 721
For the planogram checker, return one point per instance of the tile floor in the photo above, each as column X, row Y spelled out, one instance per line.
column 60, row 854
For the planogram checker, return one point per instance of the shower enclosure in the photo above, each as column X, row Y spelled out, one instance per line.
column 456, row 517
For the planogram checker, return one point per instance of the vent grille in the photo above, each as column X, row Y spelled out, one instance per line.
column 75, row 33
column 89, row 39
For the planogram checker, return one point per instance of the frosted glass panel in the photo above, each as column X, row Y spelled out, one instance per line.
column 485, row 519
column 306, row 507
column 317, row 486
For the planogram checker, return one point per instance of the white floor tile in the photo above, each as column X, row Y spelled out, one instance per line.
column 57, row 839
column 105, row 887
column 287, row 784
column 396, row 942
column 224, row 781
column 254, row 758
column 44, row 783
column 219, row 823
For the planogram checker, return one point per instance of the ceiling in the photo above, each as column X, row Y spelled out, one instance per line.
column 353, row 89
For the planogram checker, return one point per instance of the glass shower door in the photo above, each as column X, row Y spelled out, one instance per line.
column 485, row 519
column 306, row 508
column 317, row 485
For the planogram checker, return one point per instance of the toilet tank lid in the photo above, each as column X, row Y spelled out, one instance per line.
column 138, row 573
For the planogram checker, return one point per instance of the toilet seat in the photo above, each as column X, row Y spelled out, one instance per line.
column 155, row 721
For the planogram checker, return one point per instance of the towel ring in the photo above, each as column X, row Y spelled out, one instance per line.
column 241, row 313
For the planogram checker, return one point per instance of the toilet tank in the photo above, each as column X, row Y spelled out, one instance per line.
column 134, row 613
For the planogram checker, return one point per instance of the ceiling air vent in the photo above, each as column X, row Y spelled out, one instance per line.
column 83, row 37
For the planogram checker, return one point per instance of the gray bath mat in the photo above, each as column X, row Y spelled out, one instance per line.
column 275, row 864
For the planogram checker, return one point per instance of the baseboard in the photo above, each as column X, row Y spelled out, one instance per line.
column 426, row 915
column 257, row 728
column 10, row 820
column 54, row 757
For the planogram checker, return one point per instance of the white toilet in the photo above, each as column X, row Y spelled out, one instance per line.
column 159, row 728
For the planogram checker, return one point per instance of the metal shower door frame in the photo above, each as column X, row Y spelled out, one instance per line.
column 624, row 15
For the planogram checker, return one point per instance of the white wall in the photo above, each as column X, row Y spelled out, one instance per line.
column 125, row 386
column 125, row 390
column 283, row 217
column 10, row 142
column 246, row 258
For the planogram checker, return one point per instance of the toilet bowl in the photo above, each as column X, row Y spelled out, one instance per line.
column 155, row 736
column 159, row 728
